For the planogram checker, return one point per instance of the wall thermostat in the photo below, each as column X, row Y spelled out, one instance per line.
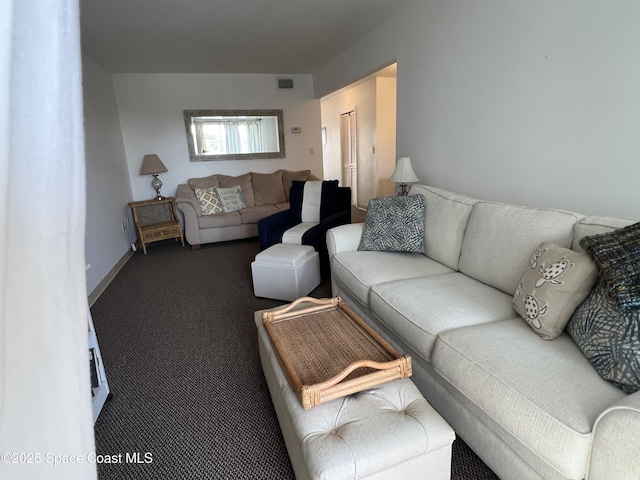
column 296, row 130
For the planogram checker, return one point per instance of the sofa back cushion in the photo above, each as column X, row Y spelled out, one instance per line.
column 311, row 200
column 446, row 218
column 595, row 225
column 500, row 237
column 288, row 177
column 227, row 181
column 268, row 188
column 205, row 182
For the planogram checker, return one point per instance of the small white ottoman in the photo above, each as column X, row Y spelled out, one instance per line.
column 285, row 271
column 387, row 432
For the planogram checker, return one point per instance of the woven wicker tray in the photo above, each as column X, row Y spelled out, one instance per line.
column 326, row 351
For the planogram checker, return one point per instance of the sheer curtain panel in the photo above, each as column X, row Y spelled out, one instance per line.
column 45, row 400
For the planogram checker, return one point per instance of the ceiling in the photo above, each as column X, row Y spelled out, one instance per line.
column 225, row 36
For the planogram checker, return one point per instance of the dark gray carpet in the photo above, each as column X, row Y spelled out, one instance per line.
column 177, row 337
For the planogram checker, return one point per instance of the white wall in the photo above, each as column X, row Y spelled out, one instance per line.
column 534, row 103
column 151, row 114
column 385, row 134
column 108, row 185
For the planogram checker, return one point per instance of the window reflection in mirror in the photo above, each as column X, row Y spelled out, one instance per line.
column 234, row 134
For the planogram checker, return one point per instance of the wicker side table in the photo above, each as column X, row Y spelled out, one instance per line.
column 156, row 220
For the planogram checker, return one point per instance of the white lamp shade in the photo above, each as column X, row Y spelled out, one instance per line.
column 404, row 172
column 151, row 164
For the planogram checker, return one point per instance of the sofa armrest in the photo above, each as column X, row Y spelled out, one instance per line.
column 270, row 228
column 188, row 204
column 616, row 442
column 336, row 219
column 345, row 238
column 185, row 194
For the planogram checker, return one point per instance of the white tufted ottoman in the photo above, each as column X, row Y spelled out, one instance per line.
column 285, row 271
column 388, row 432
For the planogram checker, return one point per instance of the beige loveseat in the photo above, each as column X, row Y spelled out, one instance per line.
column 263, row 194
column 531, row 408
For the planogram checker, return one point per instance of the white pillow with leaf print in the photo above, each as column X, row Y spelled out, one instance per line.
column 557, row 280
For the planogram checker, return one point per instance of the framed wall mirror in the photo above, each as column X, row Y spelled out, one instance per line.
column 234, row 134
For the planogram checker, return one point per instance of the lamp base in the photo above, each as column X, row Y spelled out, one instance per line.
column 157, row 184
column 403, row 192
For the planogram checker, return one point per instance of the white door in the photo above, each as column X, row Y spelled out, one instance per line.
column 349, row 154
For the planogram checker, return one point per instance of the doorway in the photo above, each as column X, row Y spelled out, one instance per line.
column 349, row 153
column 359, row 136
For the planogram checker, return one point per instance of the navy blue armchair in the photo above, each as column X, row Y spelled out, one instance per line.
column 315, row 207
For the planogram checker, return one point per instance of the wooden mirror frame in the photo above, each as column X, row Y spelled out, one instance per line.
column 189, row 115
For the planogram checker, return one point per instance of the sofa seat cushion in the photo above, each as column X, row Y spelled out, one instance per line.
column 358, row 271
column 545, row 393
column 499, row 240
column 419, row 309
column 220, row 220
column 253, row 214
column 296, row 233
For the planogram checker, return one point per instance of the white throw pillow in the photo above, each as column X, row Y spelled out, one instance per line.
column 231, row 198
column 209, row 200
column 557, row 280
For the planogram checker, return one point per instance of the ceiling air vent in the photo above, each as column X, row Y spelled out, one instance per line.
column 285, row 83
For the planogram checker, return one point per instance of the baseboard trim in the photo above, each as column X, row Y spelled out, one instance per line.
column 95, row 294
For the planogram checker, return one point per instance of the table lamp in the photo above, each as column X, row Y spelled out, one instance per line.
column 152, row 165
column 403, row 174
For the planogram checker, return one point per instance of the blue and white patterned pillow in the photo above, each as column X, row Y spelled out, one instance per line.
column 609, row 336
column 395, row 224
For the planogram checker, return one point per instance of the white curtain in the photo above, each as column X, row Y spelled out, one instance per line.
column 255, row 136
column 232, row 137
column 243, row 136
column 200, row 143
column 45, row 400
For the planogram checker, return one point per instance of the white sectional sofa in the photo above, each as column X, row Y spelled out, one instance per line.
column 530, row 408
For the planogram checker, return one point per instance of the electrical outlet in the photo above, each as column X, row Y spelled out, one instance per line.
column 124, row 227
column 133, row 247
